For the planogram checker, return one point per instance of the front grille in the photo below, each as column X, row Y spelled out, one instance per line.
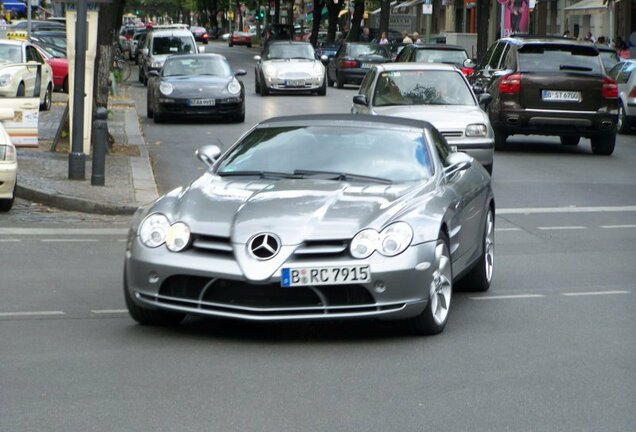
column 294, row 75
column 212, row 244
column 452, row 134
column 322, row 249
column 225, row 296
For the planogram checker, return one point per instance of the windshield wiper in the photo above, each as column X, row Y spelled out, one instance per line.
column 332, row 175
column 577, row 68
column 260, row 174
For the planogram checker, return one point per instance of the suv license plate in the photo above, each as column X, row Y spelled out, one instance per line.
column 560, row 96
column 201, row 102
column 340, row 275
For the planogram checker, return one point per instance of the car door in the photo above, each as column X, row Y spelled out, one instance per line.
column 23, row 129
column 45, row 70
column 366, row 88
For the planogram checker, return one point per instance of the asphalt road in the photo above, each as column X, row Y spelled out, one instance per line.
column 551, row 346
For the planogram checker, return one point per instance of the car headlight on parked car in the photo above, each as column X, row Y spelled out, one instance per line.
column 269, row 70
column 166, row 88
column 156, row 64
column 234, row 87
column 476, row 130
column 391, row 241
column 153, row 230
column 5, row 79
column 178, row 237
column 7, row 153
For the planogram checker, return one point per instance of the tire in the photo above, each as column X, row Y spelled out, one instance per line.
column 149, row 112
column 264, row 89
column 433, row 318
column 158, row 118
column 322, row 91
column 500, row 140
column 257, row 85
column 65, row 85
column 249, row 45
column 603, row 144
column 622, row 126
column 7, row 203
column 239, row 118
column 339, row 81
column 149, row 316
column 140, row 76
column 46, row 105
column 478, row 279
column 230, row 44
column 570, row 140
column 329, row 80
column 21, row 90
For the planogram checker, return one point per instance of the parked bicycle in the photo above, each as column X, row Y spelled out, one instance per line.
column 121, row 68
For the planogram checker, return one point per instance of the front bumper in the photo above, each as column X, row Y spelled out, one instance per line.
column 294, row 84
column 8, row 175
column 214, row 285
column 167, row 105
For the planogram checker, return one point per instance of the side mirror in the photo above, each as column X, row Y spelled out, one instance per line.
column 7, row 114
column 478, row 89
column 208, row 154
column 485, row 98
column 153, row 73
column 201, row 48
column 257, row 58
column 360, row 100
column 469, row 63
column 324, row 59
column 240, row 72
column 457, row 162
column 144, row 51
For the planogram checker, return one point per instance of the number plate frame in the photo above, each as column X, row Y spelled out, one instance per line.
column 295, row 83
column 328, row 275
column 201, row 102
column 560, row 96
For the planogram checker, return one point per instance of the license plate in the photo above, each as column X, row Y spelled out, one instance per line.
column 560, row 96
column 366, row 65
column 202, row 102
column 302, row 276
column 295, row 83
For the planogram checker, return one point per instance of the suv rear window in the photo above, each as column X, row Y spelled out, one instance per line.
column 172, row 45
column 559, row 58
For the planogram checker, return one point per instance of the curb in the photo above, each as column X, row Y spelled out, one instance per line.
column 70, row 203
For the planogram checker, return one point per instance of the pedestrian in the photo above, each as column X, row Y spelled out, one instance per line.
column 384, row 40
column 516, row 12
column 416, row 37
column 364, row 37
column 589, row 37
column 406, row 39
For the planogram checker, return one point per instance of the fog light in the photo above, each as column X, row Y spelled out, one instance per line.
column 153, row 277
column 379, row 287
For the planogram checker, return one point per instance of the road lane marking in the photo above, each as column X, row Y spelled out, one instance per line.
column 64, row 231
column 68, row 240
column 109, row 311
column 508, row 297
column 507, row 229
column 34, row 313
column 541, row 210
column 10, row 240
column 594, row 293
column 553, row 228
column 617, row 226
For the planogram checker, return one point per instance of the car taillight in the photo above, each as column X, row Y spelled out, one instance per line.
column 633, row 92
column 205, row 35
column 349, row 64
column 610, row 89
column 467, row 71
column 510, row 84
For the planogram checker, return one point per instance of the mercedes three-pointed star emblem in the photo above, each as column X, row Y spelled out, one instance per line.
column 263, row 246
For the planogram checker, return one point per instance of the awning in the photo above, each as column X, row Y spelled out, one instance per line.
column 411, row 3
column 377, row 11
column 585, row 7
column 14, row 6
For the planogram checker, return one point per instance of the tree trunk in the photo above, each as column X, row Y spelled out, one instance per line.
column 385, row 13
column 110, row 16
column 358, row 13
column 315, row 24
column 483, row 22
column 332, row 13
column 276, row 18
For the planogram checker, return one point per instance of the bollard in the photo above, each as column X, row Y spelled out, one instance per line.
column 100, row 135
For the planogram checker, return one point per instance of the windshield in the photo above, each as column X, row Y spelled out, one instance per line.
column 196, row 66
column 394, row 155
column 362, row 50
column 173, row 45
column 10, row 54
column 422, row 87
column 440, row 56
column 290, row 51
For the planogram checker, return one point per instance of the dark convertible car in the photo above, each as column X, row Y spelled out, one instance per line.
column 196, row 84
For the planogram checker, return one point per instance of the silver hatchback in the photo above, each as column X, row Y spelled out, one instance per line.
column 625, row 77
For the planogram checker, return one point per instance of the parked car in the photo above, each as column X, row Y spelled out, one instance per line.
column 435, row 53
column 137, row 43
column 437, row 93
column 19, row 63
column 353, row 60
column 59, row 66
column 549, row 86
column 609, row 57
column 289, row 66
column 315, row 217
column 54, row 38
column 37, row 25
column 196, row 85
column 328, row 49
column 161, row 43
column 240, row 38
column 8, row 163
column 200, row 34
column 624, row 73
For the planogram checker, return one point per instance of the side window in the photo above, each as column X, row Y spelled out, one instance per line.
column 405, row 54
column 441, row 146
column 486, row 59
column 33, row 55
column 496, row 56
column 365, row 87
column 505, row 58
column 624, row 74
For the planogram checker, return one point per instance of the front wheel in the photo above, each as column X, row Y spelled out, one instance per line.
column 322, row 91
column 480, row 276
column 257, row 85
column 264, row 88
column 433, row 318
column 46, row 105
column 603, row 144
column 7, row 203
column 339, row 81
column 500, row 140
column 623, row 125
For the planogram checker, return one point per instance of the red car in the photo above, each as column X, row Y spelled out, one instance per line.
column 240, row 38
column 58, row 64
column 200, row 34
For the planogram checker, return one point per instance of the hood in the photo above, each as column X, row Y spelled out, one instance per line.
column 443, row 117
column 190, row 86
column 294, row 65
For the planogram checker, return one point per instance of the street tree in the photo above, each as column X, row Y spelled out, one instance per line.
column 358, row 14
column 483, row 22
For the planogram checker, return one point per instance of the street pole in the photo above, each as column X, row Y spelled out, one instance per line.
column 76, row 158
column 28, row 18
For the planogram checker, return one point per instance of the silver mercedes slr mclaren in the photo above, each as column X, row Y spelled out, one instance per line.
column 317, row 217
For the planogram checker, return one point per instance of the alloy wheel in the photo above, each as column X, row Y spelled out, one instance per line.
column 489, row 246
column 441, row 286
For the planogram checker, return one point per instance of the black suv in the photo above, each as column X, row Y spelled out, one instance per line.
column 549, row 86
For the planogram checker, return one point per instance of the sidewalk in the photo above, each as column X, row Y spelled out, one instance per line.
column 129, row 180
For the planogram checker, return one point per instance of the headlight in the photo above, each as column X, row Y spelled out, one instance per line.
column 178, row 237
column 153, row 229
column 234, row 87
column 156, row 64
column 364, row 243
column 476, row 130
column 5, row 80
column 393, row 240
column 7, row 153
column 166, row 88
column 269, row 70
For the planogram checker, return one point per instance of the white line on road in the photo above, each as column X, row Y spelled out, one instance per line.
column 553, row 228
column 594, row 293
column 10, row 240
column 617, row 226
column 538, row 210
column 109, row 311
column 68, row 240
column 35, row 313
column 508, row 297
column 507, row 229
column 64, row 231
